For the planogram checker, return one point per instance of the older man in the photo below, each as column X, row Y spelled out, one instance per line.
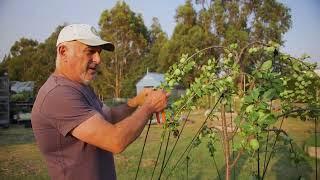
column 75, row 132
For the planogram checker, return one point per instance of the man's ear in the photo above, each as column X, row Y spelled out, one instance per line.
column 62, row 51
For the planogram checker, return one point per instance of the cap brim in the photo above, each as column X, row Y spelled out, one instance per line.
column 98, row 42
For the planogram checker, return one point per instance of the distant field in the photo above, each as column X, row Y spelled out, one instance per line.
column 20, row 158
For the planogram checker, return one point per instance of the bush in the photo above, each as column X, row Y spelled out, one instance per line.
column 24, row 96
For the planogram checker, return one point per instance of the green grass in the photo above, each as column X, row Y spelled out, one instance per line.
column 20, row 158
column 313, row 140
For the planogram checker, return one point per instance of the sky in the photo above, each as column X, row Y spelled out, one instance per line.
column 37, row 19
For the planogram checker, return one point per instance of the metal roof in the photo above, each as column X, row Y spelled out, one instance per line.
column 18, row 86
column 151, row 79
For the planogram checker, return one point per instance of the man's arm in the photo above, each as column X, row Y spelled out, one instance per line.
column 116, row 137
column 112, row 137
column 118, row 113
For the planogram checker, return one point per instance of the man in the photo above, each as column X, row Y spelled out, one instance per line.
column 74, row 131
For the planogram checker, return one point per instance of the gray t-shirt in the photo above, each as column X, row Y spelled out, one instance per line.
column 60, row 106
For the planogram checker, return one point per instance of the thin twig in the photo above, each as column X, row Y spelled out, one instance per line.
column 164, row 156
column 237, row 158
column 189, row 145
column 273, row 146
column 144, row 143
column 175, row 143
column 159, row 152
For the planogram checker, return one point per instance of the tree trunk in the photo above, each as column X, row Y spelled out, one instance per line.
column 117, row 83
column 226, row 146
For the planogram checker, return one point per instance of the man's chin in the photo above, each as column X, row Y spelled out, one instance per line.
column 87, row 81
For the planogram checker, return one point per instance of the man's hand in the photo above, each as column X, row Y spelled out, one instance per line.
column 156, row 100
column 139, row 99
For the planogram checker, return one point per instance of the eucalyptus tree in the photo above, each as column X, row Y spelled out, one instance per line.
column 127, row 31
column 21, row 58
column 188, row 36
column 245, row 22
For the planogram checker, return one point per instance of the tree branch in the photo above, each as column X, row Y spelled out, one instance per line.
column 236, row 159
column 246, row 47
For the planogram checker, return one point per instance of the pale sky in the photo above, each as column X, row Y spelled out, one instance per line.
column 37, row 19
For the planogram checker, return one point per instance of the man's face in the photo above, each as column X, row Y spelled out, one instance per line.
column 82, row 62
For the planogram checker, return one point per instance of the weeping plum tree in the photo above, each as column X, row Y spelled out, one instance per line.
column 277, row 77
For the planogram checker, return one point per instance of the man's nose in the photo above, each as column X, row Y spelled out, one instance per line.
column 97, row 58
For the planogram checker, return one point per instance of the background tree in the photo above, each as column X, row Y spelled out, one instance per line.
column 21, row 58
column 214, row 22
column 189, row 35
column 149, row 62
column 44, row 62
column 127, row 31
column 31, row 61
column 158, row 39
column 244, row 22
column 4, row 65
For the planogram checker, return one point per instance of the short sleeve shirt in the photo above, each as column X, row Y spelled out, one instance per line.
column 60, row 106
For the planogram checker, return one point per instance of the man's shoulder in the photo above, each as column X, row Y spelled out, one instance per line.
column 56, row 83
column 56, row 88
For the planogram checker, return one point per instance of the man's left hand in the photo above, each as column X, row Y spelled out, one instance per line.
column 139, row 99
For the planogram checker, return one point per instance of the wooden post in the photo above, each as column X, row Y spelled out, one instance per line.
column 226, row 145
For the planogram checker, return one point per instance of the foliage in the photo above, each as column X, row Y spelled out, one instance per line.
column 187, row 36
column 130, row 38
column 246, row 21
column 276, row 76
column 25, row 96
column 32, row 61
column 22, row 53
column 137, row 48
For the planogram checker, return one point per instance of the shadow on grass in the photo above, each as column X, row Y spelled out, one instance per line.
column 285, row 166
column 282, row 166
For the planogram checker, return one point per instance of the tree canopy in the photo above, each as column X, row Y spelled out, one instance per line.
column 199, row 24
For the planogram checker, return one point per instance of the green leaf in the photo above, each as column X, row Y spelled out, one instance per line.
column 177, row 72
column 171, row 83
column 255, row 94
column 268, row 95
column 266, row 65
column 296, row 66
column 248, row 99
column 182, row 60
column 267, row 119
column 249, row 108
column 253, row 116
column 254, row 144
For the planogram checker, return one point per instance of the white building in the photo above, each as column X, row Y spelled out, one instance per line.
column 149, row 80
column 18, row 86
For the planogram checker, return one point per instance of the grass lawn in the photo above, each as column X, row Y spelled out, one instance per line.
column 20, row 158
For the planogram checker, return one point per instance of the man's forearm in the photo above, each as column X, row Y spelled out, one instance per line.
column 112, row 137
column 118, row 113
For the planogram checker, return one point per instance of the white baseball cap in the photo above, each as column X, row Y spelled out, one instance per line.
column 85, row 34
